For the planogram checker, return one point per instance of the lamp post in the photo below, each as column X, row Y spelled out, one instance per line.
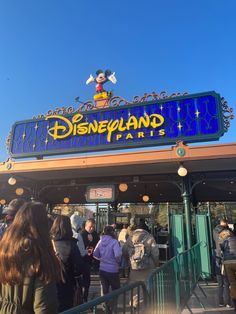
column 186, row 195
column 187, row 208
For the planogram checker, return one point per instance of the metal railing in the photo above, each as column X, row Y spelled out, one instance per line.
column 167, row 290
column 189, row 263
column 171, row 286
column 163, row 289
column 131, row 299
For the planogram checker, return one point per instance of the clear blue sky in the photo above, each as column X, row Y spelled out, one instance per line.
column 48, row 49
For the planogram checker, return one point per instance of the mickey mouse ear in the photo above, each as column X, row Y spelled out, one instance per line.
column 99, row 71
column 107, row 73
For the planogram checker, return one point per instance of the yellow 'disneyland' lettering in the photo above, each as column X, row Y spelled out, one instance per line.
column 60, row 131
column 63, row 127
column 157, row 120
column 77, row 118
column 132, row 123
column 93, row 127
column 121, row 127
column 144, row 121
column 111, row 127
column 102, row 128
column 78, row 128
column 82, row 128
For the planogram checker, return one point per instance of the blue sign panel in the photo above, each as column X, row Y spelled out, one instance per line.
column 190, row 118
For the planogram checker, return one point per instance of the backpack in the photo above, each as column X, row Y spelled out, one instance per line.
column 139, row 258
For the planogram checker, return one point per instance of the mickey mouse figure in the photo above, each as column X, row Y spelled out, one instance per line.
column 101, row 78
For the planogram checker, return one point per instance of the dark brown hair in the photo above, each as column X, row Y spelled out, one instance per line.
column 26, row 247
column 91, row 220
column 109, row 230
column 61, row 228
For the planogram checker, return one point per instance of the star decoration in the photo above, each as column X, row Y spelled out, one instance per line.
column 161, row 107
column 23, row 135
column 36, row 126
column 197, row 113
column 178, row 109
column 179, row 126
column 46, row 141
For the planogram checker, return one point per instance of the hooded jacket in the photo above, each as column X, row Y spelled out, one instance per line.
column 108, row 251
column 72, row 265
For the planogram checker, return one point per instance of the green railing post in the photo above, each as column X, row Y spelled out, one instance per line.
column 177, row 285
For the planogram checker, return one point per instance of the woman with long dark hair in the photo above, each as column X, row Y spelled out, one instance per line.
column 69, row 256
column 29, row 268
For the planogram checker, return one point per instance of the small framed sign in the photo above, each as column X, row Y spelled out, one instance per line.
column 100, row 193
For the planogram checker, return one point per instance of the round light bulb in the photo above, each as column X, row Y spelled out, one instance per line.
column 182, row 172
column 123, row 187
column 12, row 181
column 66, row 200
column 19, row 191
column 145, row 198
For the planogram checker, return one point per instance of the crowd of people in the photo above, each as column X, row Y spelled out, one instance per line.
column 46, row 262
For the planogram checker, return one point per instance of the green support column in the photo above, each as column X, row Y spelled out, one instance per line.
column 187, row 209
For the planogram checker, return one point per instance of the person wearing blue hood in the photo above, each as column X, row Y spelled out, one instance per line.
column 108, row 252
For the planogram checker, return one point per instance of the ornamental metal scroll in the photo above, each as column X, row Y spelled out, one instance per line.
column 114, row 101
column 227, row 114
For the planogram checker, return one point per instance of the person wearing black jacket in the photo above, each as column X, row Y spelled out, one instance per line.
column 70, row 259
column 90, row 239
column 221, row 277
column 229, row 255
column 223, row 225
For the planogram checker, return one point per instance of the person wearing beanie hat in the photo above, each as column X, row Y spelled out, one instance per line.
column 9, row 211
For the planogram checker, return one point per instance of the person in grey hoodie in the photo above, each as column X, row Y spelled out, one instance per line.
column 108, row 252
